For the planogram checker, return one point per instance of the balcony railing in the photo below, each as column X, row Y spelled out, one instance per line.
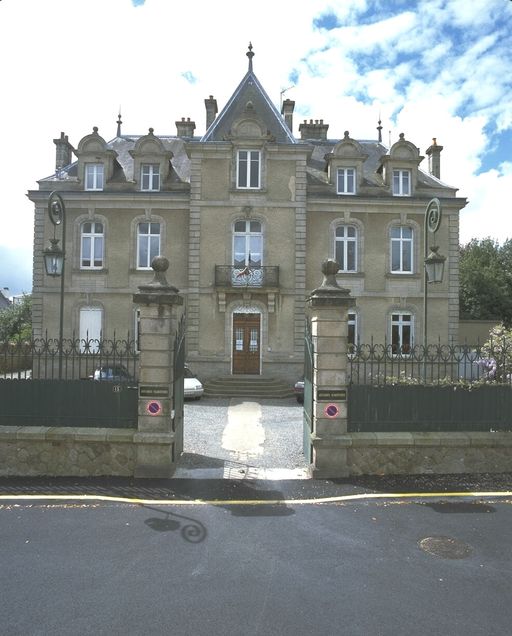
column 230, row 276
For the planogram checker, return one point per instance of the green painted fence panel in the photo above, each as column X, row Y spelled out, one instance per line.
column 68, row 403
column 399, row 408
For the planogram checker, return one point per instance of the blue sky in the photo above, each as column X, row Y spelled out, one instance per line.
column 429, row 68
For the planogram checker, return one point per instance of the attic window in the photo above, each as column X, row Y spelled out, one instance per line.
column 94, row 176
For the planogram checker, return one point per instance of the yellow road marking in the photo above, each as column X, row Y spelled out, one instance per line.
column 255, row 502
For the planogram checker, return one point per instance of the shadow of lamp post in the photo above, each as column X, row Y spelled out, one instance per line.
column 55, row 256
column 433, row 264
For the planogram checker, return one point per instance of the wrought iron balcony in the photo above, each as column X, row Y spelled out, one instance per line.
column 250, row 276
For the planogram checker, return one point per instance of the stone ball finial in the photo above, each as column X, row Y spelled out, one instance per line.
column 95, row 130
column 160, row 264
column 330, row 268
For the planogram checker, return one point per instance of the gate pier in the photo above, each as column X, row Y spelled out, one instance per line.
column 160, row 413
column 325, row 390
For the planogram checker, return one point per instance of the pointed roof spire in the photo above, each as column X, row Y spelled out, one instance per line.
column 250, row 55
column 379, row 128
column 119, row 122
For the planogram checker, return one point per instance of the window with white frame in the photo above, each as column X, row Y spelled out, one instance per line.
column 345, row 247
column 94, row 176
column 150, row 177
column 91, row 320
column 248, row 169
column 148, row 243
column 402, row 183
column 91, row 245
column 346, row 181
column 402, row 238
column 402, row 332
column 247, row 244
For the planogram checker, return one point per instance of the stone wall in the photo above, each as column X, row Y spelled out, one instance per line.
column 84, row 452
column 418, row 453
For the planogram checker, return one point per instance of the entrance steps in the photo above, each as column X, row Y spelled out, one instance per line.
column 247, row 386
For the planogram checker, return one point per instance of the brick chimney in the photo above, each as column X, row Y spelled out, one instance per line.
column 313, row 130
column 64, row 152
column 211, row 110
column 434, row 158
column 185, row 128
column 287, row 112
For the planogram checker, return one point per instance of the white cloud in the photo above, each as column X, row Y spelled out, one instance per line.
column 72, row 64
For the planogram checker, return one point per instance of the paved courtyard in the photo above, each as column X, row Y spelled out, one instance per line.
column 243, row 438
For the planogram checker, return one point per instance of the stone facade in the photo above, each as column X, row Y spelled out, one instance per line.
column 246, row 213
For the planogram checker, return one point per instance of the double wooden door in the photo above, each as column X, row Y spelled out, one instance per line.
column 246, row 344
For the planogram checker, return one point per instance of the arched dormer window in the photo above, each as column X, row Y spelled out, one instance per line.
column 95, row 162
column 151, row 163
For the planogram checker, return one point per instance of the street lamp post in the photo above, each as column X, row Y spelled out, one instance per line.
column 433, row 270
column 55, row 258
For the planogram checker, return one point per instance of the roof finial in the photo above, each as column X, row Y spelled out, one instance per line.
column 379, row 128
column 119, row 122
column 250, row 55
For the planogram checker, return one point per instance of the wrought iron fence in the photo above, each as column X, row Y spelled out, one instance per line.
column 377, row 364
column 82, row 358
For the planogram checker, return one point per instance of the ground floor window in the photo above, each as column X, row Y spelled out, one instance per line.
column 401, row 332
column 91, row 320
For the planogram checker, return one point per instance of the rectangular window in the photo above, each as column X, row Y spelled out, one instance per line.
column 91, row 319
column 402, row 183
column 401, row 250
column 92, row 241
column 150, row 177
column 345, row 247
column 401, row 333
column 346, row 182
column 94, row 176
column 148, row 244
column 248, row 169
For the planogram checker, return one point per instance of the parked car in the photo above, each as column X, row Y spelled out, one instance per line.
column 298, row 389
column 112, row 373
column 192, row 386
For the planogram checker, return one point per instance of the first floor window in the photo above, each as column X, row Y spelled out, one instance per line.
column 150, row 177
column 248, row 169
column 148, row 244
column 91, row 319
column 401, row 249
column 345, row 247
column 94, row 176
column 91, row 250
column 402, row 183
column 401, row 333
column 346, row 182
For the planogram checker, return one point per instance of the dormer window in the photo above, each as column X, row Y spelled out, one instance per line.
column 402, row 183
column 248, row 169
column 94, row 176
column 346, row 181
column 150, row 177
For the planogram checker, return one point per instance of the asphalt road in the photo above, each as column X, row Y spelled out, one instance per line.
column 355, row 568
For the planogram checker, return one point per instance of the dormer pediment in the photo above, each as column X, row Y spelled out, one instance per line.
column 347, row 153
column 93, row 149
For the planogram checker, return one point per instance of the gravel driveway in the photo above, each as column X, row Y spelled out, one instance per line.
column 243, row 438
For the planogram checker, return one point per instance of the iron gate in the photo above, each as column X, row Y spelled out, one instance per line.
column 178, row 388
column 308, row 393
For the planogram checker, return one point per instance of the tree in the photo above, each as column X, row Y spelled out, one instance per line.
column 485, row 276
column 16, row 321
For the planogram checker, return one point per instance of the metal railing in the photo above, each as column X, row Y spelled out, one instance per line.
column 231, row 276
column 377, row 364
column 81, row 357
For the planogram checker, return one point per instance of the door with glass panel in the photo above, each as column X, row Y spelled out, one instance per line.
column 246, row 344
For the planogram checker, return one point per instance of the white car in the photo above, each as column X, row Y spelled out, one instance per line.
column 192, row 387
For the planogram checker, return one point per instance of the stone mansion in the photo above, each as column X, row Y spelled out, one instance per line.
column 245, row 213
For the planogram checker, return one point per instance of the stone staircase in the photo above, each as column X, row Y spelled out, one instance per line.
column 247, row 386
